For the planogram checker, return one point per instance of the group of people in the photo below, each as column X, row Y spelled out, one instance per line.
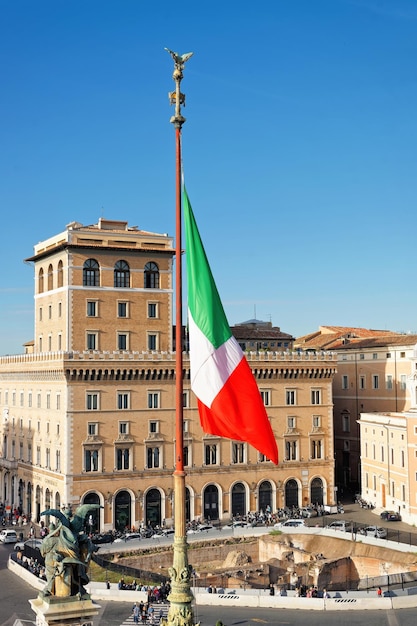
column 146, row 614
column 32, row 565
column 310, row 592
column 156, row 593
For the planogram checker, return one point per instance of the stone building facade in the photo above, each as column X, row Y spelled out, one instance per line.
column 89, row 414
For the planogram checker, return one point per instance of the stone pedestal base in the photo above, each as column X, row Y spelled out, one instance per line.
column 53, row 611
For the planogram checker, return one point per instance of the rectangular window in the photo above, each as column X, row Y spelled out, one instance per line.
column 361, row 356
column 91, row 308
column 153, row 400
column 92, row 401
column 186, row 455
column 290, row 397
column 50, row 312
column 238, row 453
column 362, row 382
column 40, row 314
column 91, row 341
column 29, row 453
column 152, row 310
column 152, row 341
column 38, row 455
column 345, row 382
column 30, row 399
column 123, row 400
column 92, row 429
column 91, row 460
column 374, row 482
column 48, row 400
column 290, row 450
column 38, row 401
column 186, row 399
column 389, row 382
column 375, row 381
column 346, row 423
column 58, row 461
column 403, row 382
column 22, row 397
column 122, row 458
column 153, row 457
column 122, row 341
column 375, row 355
column 316, row 421
column 153, row 427
column 266, row 397
column 291, row 422
column 210, row 454
column 58, row 401
column 316, row 449
column 123, row 428
column 315, row 396
column 122, row 309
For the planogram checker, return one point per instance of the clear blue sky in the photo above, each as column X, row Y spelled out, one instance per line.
column 300, row 147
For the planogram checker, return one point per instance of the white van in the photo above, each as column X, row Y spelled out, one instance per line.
column 8, row 536
column 290, row 523
column 340, row 525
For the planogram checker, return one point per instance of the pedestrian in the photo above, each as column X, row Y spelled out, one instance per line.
column 136, row 613
column 379, row 592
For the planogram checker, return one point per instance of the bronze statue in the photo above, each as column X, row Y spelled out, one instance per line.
column 67, row 551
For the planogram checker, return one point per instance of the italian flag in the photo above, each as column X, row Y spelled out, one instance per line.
column 229, row 401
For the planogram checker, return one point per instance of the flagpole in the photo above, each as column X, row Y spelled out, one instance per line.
column 180, row 611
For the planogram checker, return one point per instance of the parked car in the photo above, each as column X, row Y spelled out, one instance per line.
column 340, row 524
column 290, row 523
column 238, row 524
column 308, row 511
column 29, row 543
column 8, row 536
column 102, row 538
column 374, row 531
column 390, row 516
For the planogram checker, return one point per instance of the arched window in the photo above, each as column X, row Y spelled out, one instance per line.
column 151, row 276
column 121, row 274
column 316, row 491
column 153, row 508
column 211, row 503
column 238, row 500
column 40, row 281
column 60, row 274
column 50, row 277
column 265, row 496
column 91, row 273
column 291, row 493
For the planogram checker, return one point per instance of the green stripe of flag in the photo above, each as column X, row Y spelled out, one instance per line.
column 203, row 298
